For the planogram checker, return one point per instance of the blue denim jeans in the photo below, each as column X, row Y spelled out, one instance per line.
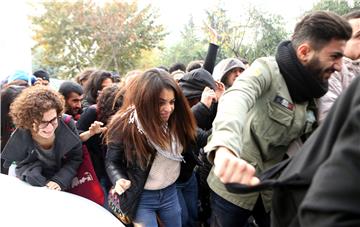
column 163, row 202
column 226, row 214
column 188, row 198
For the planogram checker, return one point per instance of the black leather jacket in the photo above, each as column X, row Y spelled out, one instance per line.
column 117, row 168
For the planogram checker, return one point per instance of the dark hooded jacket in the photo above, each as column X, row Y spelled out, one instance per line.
column 193, row 84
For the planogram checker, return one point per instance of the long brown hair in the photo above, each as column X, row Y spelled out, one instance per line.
column 144, row 95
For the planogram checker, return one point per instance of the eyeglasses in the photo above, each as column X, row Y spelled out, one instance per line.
column 53, row 122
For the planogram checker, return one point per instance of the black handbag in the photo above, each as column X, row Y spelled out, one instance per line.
column 114, row 201
column 124, row 206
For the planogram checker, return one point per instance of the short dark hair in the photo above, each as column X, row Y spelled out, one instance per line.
column 194, row 65
column 42, row 74
column 177, row 66
column 69, row 86
column 355, row 14
column 319, row 28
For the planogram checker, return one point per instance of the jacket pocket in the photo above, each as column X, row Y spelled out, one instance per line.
column 272, row 126
column 280, row 114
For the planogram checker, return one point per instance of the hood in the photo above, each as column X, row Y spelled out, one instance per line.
column 194, row 82
column 224, row 66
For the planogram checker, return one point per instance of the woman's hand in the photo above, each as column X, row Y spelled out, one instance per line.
column 95, row 128
column 53, row 186
column 122, row 185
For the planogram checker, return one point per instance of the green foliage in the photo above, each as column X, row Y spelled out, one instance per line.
column 257, row 36
column 217, row 19
column 189, row 48
column 269, row 32
column 340, row 7
column 78, row 34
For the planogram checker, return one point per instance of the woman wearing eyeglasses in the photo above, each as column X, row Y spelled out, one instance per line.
column 45, row 150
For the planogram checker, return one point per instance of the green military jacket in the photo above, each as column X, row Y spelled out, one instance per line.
column 256, row 120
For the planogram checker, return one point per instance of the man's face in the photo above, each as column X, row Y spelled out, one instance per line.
column 352, row 49
column 73, row 103
column 327, row 60
column 232, row 75
column 41, row 81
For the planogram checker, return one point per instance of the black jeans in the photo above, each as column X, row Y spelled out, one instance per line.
column 226, row 214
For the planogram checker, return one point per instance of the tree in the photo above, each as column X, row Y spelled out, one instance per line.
column 190, row 47
column 217, row 19
column 269, row 32
column 77, row 34
column 258, row 35
column 340, row 7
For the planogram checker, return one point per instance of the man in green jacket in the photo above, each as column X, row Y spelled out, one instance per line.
column 268, row 107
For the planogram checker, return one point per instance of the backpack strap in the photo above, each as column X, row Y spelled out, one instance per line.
column 97, row 111
column 67, row 118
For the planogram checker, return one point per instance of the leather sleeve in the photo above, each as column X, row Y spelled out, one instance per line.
column 115, row 163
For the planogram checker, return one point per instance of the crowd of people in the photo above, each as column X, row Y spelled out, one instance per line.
column 168, row 141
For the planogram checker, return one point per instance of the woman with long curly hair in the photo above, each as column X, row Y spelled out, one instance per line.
column 37, row 147
column 146, row 139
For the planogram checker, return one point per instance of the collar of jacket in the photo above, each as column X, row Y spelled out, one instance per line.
column 21, row 143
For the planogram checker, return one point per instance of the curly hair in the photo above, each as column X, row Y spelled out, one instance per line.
column 31, row 104
column 105, row 103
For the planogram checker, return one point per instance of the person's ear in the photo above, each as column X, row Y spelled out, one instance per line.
column 35, row 127
column 304, row 52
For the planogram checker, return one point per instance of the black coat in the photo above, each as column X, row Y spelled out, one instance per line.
column 68, row 153
column 204, row 116
column 117, row 168
column 191, row 156
column 329, row 165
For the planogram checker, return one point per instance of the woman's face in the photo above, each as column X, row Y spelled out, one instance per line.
column 167, row 104
column 48, row 124
column 106, row 83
